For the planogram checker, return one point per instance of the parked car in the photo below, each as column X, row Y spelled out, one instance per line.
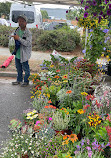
column 54, row 25
column 3, row 22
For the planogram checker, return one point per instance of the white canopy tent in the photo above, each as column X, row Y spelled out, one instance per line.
column 61, row 2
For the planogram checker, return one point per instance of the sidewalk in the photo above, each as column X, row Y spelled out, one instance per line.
column 36, row 59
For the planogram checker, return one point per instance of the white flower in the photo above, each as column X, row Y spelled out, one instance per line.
column 32, row 152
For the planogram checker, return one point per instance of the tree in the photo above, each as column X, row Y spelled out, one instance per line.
column 72, row 14
column 44, row 14
column 5, row 9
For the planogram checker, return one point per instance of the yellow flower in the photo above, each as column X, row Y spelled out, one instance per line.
column 48, row 95
column 102, row 55
column 65, row 81
column 28, row 117
column 107, row 56
column 35, row 115
column 51, row 66
column 29, row 113
column 84, row 93
column 32, row 97
column 34, row 111
column 80, row 111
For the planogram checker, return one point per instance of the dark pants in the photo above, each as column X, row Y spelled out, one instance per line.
column 20, row 68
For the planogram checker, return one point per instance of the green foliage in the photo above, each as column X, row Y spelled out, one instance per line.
column 61, row 40
column 72, row 14
column 44, row 14
column 96, row 37
column 5, row 9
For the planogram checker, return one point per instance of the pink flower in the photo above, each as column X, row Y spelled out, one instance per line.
column 105, row 93
column 37, row 122
column 50, row 118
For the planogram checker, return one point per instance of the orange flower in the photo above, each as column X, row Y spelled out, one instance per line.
column 65, row 137
column 69, row 91
column 56, row 76
column 72, row 137
column 51, row 106
column 46, row 107
column 65, row 142
column 49, row 101
column 58, row 70
column 65, row 76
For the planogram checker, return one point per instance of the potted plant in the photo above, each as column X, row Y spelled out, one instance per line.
column 60, row 122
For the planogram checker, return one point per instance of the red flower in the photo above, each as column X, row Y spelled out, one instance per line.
column 90, row 97
column 58, row 70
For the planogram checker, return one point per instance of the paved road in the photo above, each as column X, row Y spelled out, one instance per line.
column 13, row 100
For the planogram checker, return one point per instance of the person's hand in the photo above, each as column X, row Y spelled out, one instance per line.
column 16, row 37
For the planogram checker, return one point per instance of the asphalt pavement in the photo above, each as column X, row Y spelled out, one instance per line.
column 13, row 100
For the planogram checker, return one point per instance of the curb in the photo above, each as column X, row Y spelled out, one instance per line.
column 8, row 74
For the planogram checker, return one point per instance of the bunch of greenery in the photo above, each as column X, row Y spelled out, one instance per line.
column 39, row 103
column 61, row 40
column 60, row 121
column 96, row 37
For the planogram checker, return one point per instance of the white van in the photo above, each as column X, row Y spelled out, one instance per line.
column 32, row 13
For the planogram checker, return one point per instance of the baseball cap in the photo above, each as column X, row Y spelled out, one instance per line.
column 22, row 16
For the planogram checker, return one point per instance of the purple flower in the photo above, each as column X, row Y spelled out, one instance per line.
column 104, row 16
column 85, row 14
column 76, row 152
column 102, row 145
column 91, row 35
column 88, row 141
column 86, row 7
column 94, row 13
column 94, row 3
column 90, row 154
column 77, row 18
column 91, row 30
column 104, row 48
column 90, row 46
column 78, row 147
column 106, row 1
column 66, row 11
column 105, row 30
column 99, row 19
column 82, row 142
column 88, row 2
column 101, row 13
column 84, row 51
column 88, row 148
column 81, row 1
column 109, row 6
column 108, row 12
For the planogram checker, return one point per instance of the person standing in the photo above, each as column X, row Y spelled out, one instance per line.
column 23, row 53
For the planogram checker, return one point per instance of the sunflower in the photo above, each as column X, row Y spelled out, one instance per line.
column 72, row 137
